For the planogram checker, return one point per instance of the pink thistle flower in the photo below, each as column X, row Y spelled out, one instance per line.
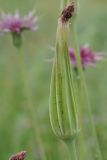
column 88, row 57
column 16, row 24
column 19, row 156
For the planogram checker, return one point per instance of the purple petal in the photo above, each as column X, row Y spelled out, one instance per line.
column 88, row 57
column 13, row 23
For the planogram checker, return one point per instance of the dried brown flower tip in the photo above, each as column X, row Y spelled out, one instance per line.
column 67, row 13
column 19, row 156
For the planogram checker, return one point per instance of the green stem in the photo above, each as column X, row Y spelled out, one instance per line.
column 71, row 147
column 29, row 105
column 84, row 89
column 83, row 150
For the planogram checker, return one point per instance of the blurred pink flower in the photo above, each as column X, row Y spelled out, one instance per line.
column 16, row 24
column 88, row 57
column 18, row 156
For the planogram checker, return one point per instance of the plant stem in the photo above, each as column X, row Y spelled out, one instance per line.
column 82, row 83
column 81, row 143
column 29, row 104
column 71, row 147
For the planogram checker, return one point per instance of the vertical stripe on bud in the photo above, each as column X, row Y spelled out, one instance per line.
column 62, row 109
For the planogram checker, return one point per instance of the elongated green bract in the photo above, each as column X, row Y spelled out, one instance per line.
column 63, row 114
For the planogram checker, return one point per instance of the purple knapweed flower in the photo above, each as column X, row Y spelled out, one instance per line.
column 15, row 24
column 18, row 156
column 88, row 57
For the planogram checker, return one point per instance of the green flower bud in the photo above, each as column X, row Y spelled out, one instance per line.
column 62, row 108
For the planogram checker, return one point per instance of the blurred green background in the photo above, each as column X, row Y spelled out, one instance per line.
column 15, row 124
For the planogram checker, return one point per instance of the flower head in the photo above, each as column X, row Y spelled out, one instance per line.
column 88, row 57
column 19, row 156
column 16, row 24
